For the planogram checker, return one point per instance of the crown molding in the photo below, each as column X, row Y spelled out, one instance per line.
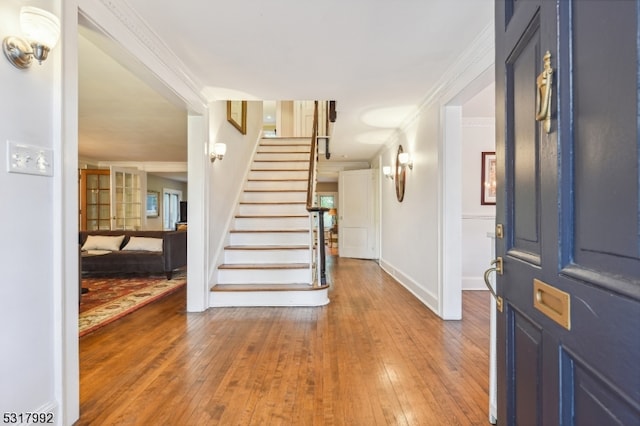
column 473, row 61
column 145, row 45
column 146, row 166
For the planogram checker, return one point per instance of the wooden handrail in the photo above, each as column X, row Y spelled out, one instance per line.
column 313, row 157
column 313, row 163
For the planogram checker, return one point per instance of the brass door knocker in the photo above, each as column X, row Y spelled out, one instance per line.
column 543, row 95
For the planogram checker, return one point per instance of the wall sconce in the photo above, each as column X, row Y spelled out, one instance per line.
column 219, row 150
column 386, row 171
column 41, row 29
column 405, row 160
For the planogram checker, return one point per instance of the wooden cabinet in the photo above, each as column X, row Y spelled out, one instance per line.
column 95, row 199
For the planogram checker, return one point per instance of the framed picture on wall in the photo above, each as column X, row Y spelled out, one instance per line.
column 488, row 178
column 152, row 204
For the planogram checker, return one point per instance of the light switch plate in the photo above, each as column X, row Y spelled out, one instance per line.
column 29, row 159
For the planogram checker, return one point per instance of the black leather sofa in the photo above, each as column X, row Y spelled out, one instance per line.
column 172, row 256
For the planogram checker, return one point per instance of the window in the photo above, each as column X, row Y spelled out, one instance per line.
column 328, row 201
column 170, row 208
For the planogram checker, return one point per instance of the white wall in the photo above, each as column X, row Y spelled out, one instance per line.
column 409, row 230
column 478, row 135
column 421, row 237
column 28, row 319
column 228, row 175
column 158, row 183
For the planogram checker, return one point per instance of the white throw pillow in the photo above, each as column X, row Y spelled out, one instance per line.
column 103, row 242
column 144, row 244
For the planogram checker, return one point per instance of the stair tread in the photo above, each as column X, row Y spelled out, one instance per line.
column 279, row 170
column 264, row 266
column 281, row 152
column 268, row 230
column 280, row 161
column 271, row 216
column 266, row 247
column 272, row 203
column 268, row 287
column 275, row 190
column 277, row 180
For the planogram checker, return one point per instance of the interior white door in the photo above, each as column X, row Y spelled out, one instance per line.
column 128, row 198
column 356, row 225
column 303, row 118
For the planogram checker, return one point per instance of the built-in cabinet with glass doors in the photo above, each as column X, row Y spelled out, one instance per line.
column 95, row 200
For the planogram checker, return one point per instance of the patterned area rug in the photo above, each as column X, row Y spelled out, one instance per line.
column 110, row 298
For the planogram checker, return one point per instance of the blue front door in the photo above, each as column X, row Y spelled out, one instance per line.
column 567, row 147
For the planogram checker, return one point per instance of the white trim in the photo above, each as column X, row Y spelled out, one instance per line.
column 473, row 283
column 147, row 166
column 478, row 122
column 429, row 299
column 65, row 211
column 198, row 213
column 450, row 188
column 170, row 191
column 478, row 217
column 121, row 24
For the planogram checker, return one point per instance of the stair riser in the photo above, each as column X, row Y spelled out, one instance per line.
column 269, row 238
column 298, row 196
column 271, row 185
column 291, row 148
column 281, row 156
column 269, row 298
column 285, row 141
column 267, row 256
column 272, row 209
column 279, row 174
column 265, row 223
column 264, row 276
column 280, row 165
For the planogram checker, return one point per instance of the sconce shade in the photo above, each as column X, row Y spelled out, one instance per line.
column 403, row 158
column 39, row 26
column 42, row 30
column 220, row 149
column 386, row 170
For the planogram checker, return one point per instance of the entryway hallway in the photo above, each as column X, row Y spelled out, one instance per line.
column 374, row 356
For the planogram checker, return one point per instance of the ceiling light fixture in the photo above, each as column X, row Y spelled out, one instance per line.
column 41, row 30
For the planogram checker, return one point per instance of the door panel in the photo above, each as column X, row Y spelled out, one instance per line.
column 522, row 69
column 606, row 170
column 356, row 225
column 569, row 201
column 526, row 358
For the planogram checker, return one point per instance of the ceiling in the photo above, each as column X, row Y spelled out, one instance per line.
column 377, row 58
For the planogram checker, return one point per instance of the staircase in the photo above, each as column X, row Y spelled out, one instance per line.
column 268, row 261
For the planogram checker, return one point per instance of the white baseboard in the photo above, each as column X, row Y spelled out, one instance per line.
column 473, row 283
column 426, row 297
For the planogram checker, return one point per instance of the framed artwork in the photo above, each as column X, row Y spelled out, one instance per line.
column 152, row 204
column 488, row 178
column 237, row 115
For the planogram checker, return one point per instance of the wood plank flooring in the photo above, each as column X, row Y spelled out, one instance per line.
column 373, row 356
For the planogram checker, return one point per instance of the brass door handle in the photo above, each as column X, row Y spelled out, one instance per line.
column 497, row 269
column 543, row 94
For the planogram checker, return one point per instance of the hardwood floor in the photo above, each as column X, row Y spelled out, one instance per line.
column 373, row 356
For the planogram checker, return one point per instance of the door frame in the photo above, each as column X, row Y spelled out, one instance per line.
column 450, row 201
column 124, row 29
